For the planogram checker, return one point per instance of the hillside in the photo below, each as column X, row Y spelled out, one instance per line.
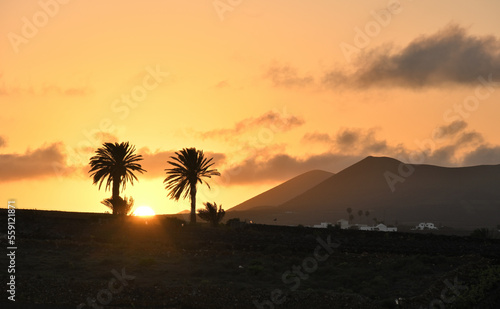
column 285, row 191
column 466, row 197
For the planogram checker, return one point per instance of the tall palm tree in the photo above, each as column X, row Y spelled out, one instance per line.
column 190, row 167
column 115, row 163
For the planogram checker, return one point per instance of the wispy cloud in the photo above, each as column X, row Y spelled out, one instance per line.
column 284, row 75
column 450, row 56
column 349, row 140
column 42, row 90
column 280, row 167
column 451, row 129
column 277, row 121
column 33, row 164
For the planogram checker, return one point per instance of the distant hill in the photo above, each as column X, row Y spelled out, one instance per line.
column 458, row 197
column 285, row 191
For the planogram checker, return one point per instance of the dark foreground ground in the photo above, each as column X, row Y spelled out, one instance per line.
column 66, row 259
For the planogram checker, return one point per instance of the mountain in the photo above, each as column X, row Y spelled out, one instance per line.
column 285, row 191
column 457, row 197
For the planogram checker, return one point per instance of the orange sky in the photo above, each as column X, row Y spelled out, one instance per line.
column 271, row 89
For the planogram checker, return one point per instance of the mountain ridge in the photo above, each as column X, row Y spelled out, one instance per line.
column 281, row 193
column 452, row 195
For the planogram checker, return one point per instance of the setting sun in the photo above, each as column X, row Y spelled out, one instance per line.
column 144, row 211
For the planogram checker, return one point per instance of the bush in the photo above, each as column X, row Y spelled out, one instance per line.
column 482, row 233
column 173, row 222
column 211, row 213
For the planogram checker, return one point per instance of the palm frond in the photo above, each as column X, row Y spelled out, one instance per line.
column 211, row 213
column 114, row 161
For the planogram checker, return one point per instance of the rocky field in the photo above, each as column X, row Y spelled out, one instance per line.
column 72, row 260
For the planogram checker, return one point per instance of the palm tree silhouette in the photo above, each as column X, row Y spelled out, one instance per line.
column 119, row 206
column 190, row 166
column 115, row 163
column 211, row 214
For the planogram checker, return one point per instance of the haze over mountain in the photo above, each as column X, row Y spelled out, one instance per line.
column 458, row 197
column 285, row 191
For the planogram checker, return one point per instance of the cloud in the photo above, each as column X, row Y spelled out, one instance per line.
column 51, row 89
column 451, row 129
column 287, row 76
column 349, row 145
column 282, row 167
column 470, row 137
column 96, row 139
column 3, row 142
column 484, row 154
column 349, row 140
column 106, row 137
column 449, row 56
column 449, row 147
column 156, row 162
column 46, row 90
column 222, row 84
column 317, row 137
column 274, row 120
column 39, row 163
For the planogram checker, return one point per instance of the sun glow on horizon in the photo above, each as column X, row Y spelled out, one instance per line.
column 144, row 211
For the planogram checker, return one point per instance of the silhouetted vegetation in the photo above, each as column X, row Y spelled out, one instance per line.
column 233, row 221
column 115, row 163
column 173, row 222
column 482, row 233
column 190, row 167
column 119, row 206
column 211, row 213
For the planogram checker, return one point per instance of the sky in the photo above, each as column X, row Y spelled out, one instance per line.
column 269, row 89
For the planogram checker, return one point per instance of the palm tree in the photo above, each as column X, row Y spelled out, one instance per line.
column 115, row 163
column 190, row 167
column 119, row 206
column 349, row 211
column 211, row 214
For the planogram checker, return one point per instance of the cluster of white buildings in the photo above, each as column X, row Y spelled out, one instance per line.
column 425, row 226
column 344, row 224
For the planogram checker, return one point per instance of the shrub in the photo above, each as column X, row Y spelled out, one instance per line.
column 211, row 214
column 482, row 233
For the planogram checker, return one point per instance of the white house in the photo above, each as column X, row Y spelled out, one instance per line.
column 380, row 227
column 323, row 225
column 425, row 226
column 344, row 224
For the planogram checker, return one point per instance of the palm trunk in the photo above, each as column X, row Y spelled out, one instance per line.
column 116, row 193
column 193, row 203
